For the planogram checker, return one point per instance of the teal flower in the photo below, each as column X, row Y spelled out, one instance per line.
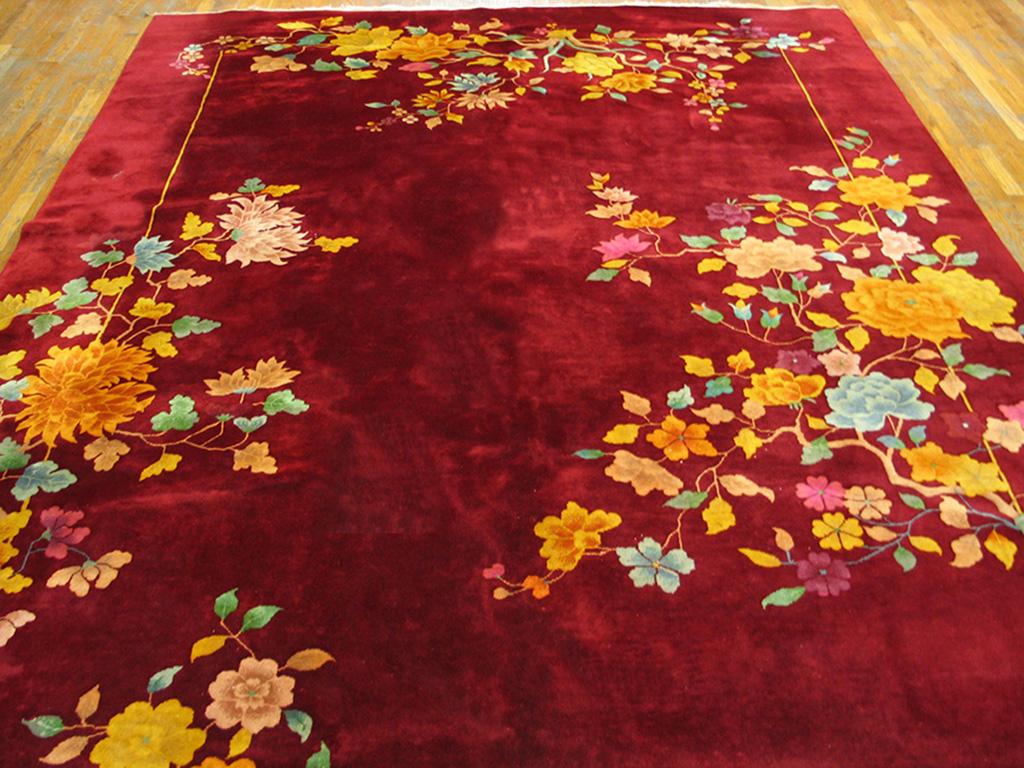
column 863, row 402
column 473, row 82
column 649, row 565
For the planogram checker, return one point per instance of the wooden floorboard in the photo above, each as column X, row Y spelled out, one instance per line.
column 959, row 62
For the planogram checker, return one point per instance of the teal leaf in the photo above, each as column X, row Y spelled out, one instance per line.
column 162, row 679
column 602, row 275
column 43, row 324
column 13, row 389
column 12, row 455
column 912, row 501
column 687, row 500
column 890, row 441
column 815, row 451
column 979, row 371
column 226, row 604
column 76, row 293
column 720, row 385
column 376, row 104
column 899, row 218
column 42, row 476
column 783, row 597
column 151, row 255
column 181, row 416
column 259, row 617
column 321, row 758
column 284, row 401
column 824, row 340
column 326, row 66
column 698, row 241
column 905, row 558
column 189, row 324
column 589, row 453
column 250, row 425
column 44, row 726
column 953, row 354
column 299, row 722
column 917, row 434
column 314, row 39
column 821, row 185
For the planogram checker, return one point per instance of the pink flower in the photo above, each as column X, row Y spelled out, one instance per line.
column 727, row 213
column 417, row 66
column 896, row 245
column 61, row 531
column 798, row 361
column 821, row 495
column 1013, row 412
column 621, row 246
column 840, row 363
column 823, row 575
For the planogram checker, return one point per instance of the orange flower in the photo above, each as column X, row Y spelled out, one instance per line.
column 568, row 537
column 629, row 82
column 423, row 47
column 929, row 463
column 780, row 386
column 537, row 586
column 678, row 439
column 431, row 99
column 867, row 502
column 899, row 309
column 90, row 390
column 645, row 218
column 254, row 696
column 877, row 190
column 216, row 762
column 837, row 531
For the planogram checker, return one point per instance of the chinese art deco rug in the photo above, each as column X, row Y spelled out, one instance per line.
column 592, row 386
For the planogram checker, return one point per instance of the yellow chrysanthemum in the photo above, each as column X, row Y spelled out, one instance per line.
column 780, row 386
column 144, row 737
column 423, row 47
column 568, row 537
column 877, row 190
column 584, row 63
column 981, row 302
column 630, row 82
column 899, row 309
column 364, row 40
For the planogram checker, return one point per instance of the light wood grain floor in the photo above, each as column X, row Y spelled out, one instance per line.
column 960, row 62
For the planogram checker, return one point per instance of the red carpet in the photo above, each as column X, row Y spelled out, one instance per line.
column 541, row 387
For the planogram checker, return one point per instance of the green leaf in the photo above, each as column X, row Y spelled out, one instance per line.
column 353, row 62
column 602, row 275
column 779, row 295
column 75, row 293
column 785, row 229
column 321, row 759
column 252, row 185
column 912, row 501
column 953, row 354
column 284, row 401
column 42, row 324
column 44, row 726
column 226, row 604
column 259, row 617
column 783, row 597
column 299, row 722
column 12, row 455
column 315, row 39
column 824, row 340
column 1019, row 522
column 679, row 398
column 815, row 451
column 601, row 29
column 924, row 259
column 711, row 315
column 905, row 558
column 250, row 425
column 13, row 389
column 42, row 476
column 618, row 96
column 965, row 259
column 698, row 241
column 720, row 385
column 326, row 66
column 189, row 324
column 979, row 371
column 99, row 258
column 734, row 233
column 687, row 500
column 162, row 679
column 589, row 453
column 182, row 415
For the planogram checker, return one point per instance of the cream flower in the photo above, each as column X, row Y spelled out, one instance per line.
column 756, row 258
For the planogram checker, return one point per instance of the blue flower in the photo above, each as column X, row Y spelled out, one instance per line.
column 472, row 83
column 863, row 402
column 782, row 42
column 649, row 565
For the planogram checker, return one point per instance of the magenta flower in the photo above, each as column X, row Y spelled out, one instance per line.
column 823, row 575
column 621, row 246
column 797, row 361
column 61, row 531
column 727, row 213
column 821, row 495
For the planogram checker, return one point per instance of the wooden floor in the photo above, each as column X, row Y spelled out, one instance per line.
column 959, row 62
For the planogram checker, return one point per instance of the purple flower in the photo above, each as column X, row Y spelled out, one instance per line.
column 727, row 213
column 797, row 361
column 823, row 575
column 61, row 531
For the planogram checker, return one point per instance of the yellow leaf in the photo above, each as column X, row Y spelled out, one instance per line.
column 945, row 245
column 207, row 250
column 150, row 309
column 194, row 227
column 783, row 540
column 967, row 549
column 710, row 265
column 1003, row 548
column 639, row 406
column 952, row 385
column 9, row 364
column 857, row 227
column 239, row 743
column 12, row 583
column 699, row 366
column 66, row 751
column 740, row 290
column 335, row 244
column 763, row 559
column 639, row 276
column 748, row 441
column 455, row 117
column 718, row 516
column 865, row 162
column 830, row 245
column 168, row 462
column 1008, row 333
column 615, row 263
column 485, row 61
column 793, row 221
column 879, row 533
column 308, row 659
column 88, row 703
column 367, row 74
column 827, row 206
column 822, row 320
column 796, row 205
column 917, row 179
column 858, row 338
column 815, row 422
column 160, row 343
column 741, row 361
column 296, row 25
column 763, row 219
column 591, row 96
column 925, row 544
column 111, row 286
column 256, row 458
column 926, row 378
column 204, row 646
column 280, row 190
column 953, row 513
column 742, row 57
column 332, row 21
column 622, row 434
column 741, row 485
